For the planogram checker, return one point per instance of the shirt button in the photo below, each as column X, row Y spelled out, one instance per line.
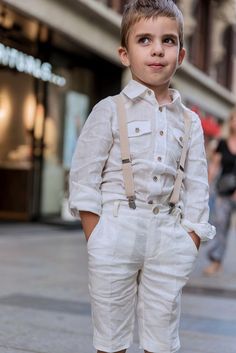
column 155, row 210
column 137, row 130
column 150, row 202
column 149, row 92
column 181, row 139
column 159, row 159
column 161, row 133
column 160, row 109
column 155, row 178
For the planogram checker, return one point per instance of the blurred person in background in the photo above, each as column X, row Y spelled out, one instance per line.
column 222, row 178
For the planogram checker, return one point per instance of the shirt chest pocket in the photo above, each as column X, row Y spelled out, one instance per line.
column 139, row 134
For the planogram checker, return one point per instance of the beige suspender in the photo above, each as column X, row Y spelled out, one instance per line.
column 125, row 152
column 180, row 171
column 126, row 160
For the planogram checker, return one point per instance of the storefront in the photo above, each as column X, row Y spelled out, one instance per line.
column 48, row 84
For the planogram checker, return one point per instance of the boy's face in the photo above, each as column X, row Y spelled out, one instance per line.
column 153, row 53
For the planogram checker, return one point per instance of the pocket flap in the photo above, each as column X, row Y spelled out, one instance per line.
column 179, row 136
column 138, row 128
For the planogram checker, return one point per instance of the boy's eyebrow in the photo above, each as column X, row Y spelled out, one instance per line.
column 173, row 35
column 140, row 35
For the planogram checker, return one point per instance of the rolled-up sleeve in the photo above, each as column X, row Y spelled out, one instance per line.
column 196, row 189
column 88, row 161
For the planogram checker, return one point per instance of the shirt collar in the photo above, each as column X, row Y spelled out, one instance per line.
column 135, row 89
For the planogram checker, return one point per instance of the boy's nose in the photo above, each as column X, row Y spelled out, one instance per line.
column 157, row 50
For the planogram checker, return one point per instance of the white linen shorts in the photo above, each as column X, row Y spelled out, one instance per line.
column 138, row 262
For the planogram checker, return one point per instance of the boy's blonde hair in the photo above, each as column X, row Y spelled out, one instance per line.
column 137, row 9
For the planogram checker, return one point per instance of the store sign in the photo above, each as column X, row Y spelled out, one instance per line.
column 15, row 59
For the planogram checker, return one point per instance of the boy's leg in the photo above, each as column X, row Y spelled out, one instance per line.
column 113, row 283
column 170, row 255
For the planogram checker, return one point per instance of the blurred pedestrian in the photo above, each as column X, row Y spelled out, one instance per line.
column 222, row 177
column 143, row 230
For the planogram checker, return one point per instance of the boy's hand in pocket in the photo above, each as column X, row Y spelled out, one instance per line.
column 196, row 239
column 89, row 221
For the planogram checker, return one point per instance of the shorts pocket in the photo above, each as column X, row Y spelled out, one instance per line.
column 139, row 134
column 189, row 239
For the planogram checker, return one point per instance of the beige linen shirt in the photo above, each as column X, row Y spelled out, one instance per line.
column 156, row 139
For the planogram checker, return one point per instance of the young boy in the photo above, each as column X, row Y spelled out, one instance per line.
column 141, row 252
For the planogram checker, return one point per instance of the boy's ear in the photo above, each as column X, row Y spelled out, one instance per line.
column 182, row 53
column 124, row 57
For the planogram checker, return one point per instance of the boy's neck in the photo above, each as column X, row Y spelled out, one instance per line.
column 163, row 97
column 162, row 94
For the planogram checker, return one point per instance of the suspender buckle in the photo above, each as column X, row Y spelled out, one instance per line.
column 132, row 203
column 127, row 160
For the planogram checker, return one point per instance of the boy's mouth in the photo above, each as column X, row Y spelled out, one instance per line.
column 156, row 65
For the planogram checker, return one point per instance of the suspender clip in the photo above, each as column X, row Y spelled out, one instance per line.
column 172, row 206
column 132, row 203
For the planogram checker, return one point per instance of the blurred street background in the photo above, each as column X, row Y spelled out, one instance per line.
column 57, row 59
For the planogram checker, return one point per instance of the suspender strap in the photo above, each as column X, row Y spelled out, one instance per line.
column 125, row 151
column 180, row 171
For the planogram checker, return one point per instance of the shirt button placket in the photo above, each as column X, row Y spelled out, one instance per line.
column 160, row 151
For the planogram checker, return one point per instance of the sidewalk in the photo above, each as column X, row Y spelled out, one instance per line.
column 44, row 298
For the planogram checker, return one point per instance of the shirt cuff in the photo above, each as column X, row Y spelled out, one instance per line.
column 83, row 198
column 205, row 231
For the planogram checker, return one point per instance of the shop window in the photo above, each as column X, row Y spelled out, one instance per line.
column 48, row 85
column 199, row 42
column 225, row 67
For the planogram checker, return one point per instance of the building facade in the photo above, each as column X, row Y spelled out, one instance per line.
column 58, row 58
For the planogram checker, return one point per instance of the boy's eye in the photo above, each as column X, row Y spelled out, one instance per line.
column 169, row 40
column 144, row 40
